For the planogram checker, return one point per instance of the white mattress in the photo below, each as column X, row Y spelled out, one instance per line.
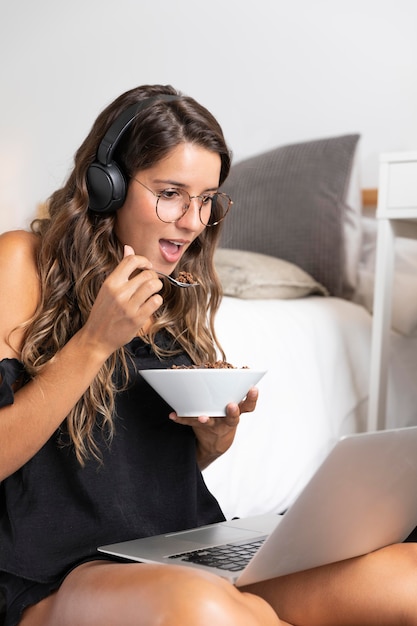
column 317, row 353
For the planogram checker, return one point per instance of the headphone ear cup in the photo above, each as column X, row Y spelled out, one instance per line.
column 106, row 186
column 106, row 183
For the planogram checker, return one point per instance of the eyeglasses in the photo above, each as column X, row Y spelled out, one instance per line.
column 172, row 204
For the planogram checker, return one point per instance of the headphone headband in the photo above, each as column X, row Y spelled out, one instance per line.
column 106, row 183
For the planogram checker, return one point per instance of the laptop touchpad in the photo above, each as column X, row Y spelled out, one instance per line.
column 215, row 535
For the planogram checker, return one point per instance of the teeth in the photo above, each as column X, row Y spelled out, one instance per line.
column 176, row 243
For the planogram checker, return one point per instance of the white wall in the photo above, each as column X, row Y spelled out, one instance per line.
column 272, row 71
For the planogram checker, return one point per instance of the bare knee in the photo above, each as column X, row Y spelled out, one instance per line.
column 137, row 595
column 199, row 599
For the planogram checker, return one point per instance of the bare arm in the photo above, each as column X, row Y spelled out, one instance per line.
column 121, row 308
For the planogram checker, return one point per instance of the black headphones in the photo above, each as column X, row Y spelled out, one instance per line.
column 106, row 183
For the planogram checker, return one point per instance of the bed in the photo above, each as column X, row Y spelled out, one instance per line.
column 297, row 264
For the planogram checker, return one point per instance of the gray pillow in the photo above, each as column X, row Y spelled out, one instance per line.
column 251, row 275
column 291, row 203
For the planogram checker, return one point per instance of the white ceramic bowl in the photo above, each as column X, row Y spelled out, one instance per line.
column 194, row 392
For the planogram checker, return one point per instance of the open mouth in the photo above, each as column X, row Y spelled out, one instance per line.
column 171, row 249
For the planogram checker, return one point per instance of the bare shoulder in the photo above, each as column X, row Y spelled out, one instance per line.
column 18, row 263
column 20, row 289
column 18, row 246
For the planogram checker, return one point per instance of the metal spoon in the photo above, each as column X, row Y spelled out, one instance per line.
column 175, row 282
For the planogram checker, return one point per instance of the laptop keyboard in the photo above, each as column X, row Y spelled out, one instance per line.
column 232, row 556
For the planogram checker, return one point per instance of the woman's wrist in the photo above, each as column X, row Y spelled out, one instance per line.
column 213, row 448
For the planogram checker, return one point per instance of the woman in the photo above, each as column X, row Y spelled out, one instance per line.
column 90, row 454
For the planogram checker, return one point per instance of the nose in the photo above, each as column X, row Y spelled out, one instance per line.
column 191, row 218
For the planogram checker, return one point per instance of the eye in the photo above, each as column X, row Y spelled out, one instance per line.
column 206, row 200
column 170, row 194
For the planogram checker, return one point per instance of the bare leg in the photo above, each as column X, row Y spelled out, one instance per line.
column 375, row 590
column 107, row 593
column 379, row 589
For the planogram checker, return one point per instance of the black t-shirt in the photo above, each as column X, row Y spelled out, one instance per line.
column 54, row 513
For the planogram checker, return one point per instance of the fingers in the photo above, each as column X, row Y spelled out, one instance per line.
column 248, row 404
column 125, row 303
column 131, row 262
column 131, row 276
column 134, row 285
column 189, row 421
column 128, row 251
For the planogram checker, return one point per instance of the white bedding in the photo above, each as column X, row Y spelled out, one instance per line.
column 317, row 353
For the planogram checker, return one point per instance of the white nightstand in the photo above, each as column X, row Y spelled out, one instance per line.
column 396, row 215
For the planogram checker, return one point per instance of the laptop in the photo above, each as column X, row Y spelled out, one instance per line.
column 362, row 497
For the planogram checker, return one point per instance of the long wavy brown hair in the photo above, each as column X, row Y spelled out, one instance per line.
column 78, row 250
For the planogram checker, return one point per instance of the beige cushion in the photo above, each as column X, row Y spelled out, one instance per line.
column 252, row 275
